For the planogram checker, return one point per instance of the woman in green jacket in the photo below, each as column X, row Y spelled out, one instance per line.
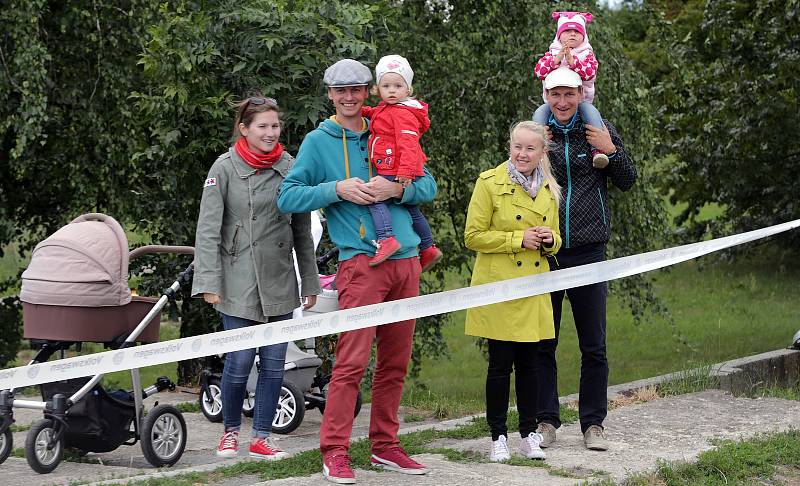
column 244, row 265
column 512, row 223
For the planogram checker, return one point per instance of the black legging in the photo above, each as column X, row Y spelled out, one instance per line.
column 503, row 355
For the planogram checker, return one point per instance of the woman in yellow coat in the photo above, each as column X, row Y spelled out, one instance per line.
column 512, row 223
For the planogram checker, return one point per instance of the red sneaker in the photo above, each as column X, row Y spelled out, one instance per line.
column 429, row 257
column 386, row 248
column 396, row 459
column 265, row 449
column 336, row 469
column 228, row 444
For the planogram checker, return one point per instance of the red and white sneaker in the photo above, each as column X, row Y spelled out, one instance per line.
column 429, row 257
column 386, row 248
column 396, row 459
column 264, row 448
column 229, row 444
column 336, row 469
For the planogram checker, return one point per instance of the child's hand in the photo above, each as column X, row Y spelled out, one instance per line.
column 560, row 55
column 404, row 181
column 570, row 59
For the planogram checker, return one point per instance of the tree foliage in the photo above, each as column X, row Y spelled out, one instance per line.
column 66, row 131
column 733, row 112
column 723, row 76
column 473, row 64
column 121, row 107
column 200, row 60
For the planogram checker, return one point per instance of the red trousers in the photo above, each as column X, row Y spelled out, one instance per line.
column 359, row 284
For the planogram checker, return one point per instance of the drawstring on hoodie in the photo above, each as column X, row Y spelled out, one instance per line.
column 361, row 230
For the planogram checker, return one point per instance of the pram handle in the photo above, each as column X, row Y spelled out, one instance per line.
column 322, row 260
column 185, row 277
column 150, row 249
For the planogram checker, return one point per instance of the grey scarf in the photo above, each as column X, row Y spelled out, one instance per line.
column 531, row 184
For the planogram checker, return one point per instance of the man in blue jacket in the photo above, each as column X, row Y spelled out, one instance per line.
column 333, row 171
column 585, row 220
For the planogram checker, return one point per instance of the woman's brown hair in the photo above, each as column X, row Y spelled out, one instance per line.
column 246, row 110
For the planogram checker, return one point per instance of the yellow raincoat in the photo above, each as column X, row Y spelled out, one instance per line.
column 499, row 213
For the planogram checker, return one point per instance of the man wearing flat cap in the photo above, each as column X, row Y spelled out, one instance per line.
column 333, row 171
column 585, row 219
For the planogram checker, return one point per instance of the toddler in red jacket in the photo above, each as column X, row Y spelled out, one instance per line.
column 396, row 125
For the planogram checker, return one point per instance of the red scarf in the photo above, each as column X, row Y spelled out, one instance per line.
column 254, row 160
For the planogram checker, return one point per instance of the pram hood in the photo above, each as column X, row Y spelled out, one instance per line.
column 83, row 264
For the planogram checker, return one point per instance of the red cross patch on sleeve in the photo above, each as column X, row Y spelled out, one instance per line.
column 211, row 181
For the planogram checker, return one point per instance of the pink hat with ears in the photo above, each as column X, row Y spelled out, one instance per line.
column 572, row 21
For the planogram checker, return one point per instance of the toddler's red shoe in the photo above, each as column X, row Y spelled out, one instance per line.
column 386, row 248
column 429, row 257
column 599, row 159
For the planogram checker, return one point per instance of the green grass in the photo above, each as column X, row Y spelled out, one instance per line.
column 188, row 407
column 310, row 462
column 785, row 392
column 122, row 379
column 11, row 264
column 689, row 381
column 723, row 311
column 119, row 379
column 754, row 461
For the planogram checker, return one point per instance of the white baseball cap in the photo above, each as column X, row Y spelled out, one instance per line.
column 562, row 76
column 394, row 64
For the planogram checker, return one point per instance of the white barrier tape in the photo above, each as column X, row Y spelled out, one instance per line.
column 371, row 315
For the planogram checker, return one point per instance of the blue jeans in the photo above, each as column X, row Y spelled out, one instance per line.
column 236, row 372
column 589, row 114
column 382, row 219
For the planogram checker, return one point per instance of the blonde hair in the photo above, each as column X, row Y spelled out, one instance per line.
column 547, row 172
column 375, row 91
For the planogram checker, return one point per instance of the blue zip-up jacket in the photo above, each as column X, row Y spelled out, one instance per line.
column 584, row 214
column 311, row 184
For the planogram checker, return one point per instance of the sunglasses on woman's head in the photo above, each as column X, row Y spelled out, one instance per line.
column 262, row 101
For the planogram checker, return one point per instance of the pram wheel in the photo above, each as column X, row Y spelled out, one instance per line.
column 291, row 409
column 249, row 404
column 356, row 411
column 42, row 458
column 163, row 436
column 6, row 444
column 211, row 400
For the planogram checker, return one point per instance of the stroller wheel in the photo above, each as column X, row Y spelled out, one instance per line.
column 291, row 409
column 163, row 436
column 356, row 411
column 6, row 445
column 42, row 457
column 249, row 404
column 211, row 400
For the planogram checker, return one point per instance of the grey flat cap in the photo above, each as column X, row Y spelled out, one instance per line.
column 347, row 72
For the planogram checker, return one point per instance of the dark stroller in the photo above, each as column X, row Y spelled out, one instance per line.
column 75, row 290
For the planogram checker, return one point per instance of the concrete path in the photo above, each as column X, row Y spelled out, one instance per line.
column 676, row 428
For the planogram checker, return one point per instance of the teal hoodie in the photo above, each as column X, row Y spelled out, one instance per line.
column 311, row 184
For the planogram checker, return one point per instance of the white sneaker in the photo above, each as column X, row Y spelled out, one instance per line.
column 500, row 451
column 529, row 447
